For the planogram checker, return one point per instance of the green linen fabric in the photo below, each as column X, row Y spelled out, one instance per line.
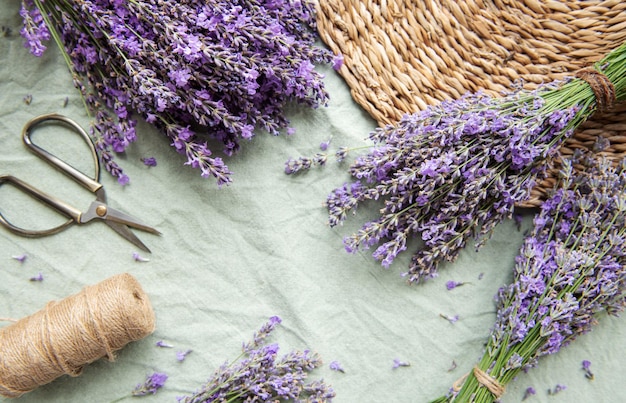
column 230, row 258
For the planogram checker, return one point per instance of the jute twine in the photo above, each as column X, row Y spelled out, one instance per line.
column 484, row 379
column 402, row 55
column 68, row 334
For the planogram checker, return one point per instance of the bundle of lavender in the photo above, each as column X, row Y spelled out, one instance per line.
column 455, row 170
column 570, row 269
column 197, row 70
column 260, row 376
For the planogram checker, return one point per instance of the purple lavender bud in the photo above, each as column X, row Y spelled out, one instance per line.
column 181, row 355
column 449, row 318
column 138, row 258
column 530, row 391
column 397, row 363
column 20, row 258
column 336, row 366
column 451, row 284
column 324, row 145
column 337, row 62
column 149, row 161
column 123, row 180
column 341, row 153
column 587, row 368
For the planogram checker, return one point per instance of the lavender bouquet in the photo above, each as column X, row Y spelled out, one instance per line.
column 261, row 376
column 570, row 269
column 452, row 172
column 197, row 70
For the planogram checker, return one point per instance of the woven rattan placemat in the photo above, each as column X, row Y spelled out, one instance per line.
column 402, row 55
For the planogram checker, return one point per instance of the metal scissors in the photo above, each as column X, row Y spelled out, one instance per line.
column 98, row 210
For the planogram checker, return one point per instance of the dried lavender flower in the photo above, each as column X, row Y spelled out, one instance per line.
column 261, row 375
column 151, row 385
column 586, row 365
column 163, row 344
column 557, row 389
column 200, row 71
column 149, row 161
column 181, row 355
column 451, row 284
column 569, row 271
column 397, row 363
column 38, row 277
column 530, row 391
column 138, row 258
column 20, row 258
column 336, row 366
column 324, row 144
column 450, row 318
column 451, row 173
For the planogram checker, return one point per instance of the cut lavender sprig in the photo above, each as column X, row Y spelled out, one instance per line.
column 451, row 173
column 200, row 71
column 570, row 270
column 261, row 375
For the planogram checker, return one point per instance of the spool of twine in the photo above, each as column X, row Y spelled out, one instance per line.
column 68, row 334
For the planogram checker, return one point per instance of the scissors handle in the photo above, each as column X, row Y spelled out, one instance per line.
column 63, row 208
column 91, row 184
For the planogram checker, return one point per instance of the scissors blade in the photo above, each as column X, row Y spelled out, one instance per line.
column 127, row 234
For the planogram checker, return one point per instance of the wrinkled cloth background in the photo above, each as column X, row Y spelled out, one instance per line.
column 230, row 258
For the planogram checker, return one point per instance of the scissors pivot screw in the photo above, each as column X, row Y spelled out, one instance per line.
column 101, row 211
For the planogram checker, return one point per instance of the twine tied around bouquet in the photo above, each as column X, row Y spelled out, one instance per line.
column 601, row 86
column 485, row 380
column 66, row 335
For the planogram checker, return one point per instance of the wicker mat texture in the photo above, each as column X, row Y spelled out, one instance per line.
column 402, row 55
